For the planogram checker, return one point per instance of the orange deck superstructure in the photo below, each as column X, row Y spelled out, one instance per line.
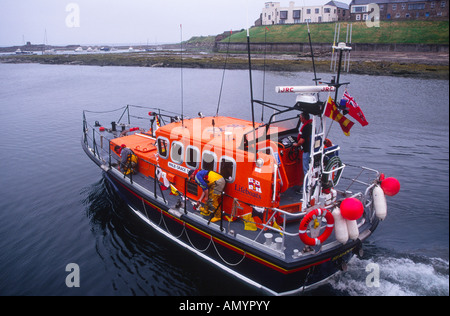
column 217, row 143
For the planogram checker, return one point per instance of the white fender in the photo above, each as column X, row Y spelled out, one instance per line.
column 340, row 226
column 353, row 231
column 379, row 203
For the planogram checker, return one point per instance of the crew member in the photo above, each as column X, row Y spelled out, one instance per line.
column 304, row 140
column 212, row 185
column 128, row 160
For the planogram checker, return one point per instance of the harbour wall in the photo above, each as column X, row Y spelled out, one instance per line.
column 325, row 47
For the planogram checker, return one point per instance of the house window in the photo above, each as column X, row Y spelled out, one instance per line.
column 177, row 152
column 228, row 168
column 317, row 11
column 404, row 6
column 192, row 157
column 416, row 6
column 359, row 9
column 209, row 160
column 358, row 17
column 327, row 10
column 443, row 4
column 394, row 7
column 283, row 15
column 432, row 5
column 407, row 15
column 308, row 11
column 397, row 15
column 365, row 17
column 296, row 14
column 163, row 147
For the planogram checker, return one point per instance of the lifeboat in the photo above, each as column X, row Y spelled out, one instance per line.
column 256, row 238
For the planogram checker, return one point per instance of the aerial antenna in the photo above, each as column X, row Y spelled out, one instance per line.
column 350, row 43
column 250, row 70
column 335, row 58
column 337, row 37
column 312, row 54
column 334, row 44
column 182, row 92
column 223, row 75
column 264, row 73
column 251, row 80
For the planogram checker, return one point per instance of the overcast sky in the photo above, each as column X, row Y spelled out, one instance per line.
column 92, row 22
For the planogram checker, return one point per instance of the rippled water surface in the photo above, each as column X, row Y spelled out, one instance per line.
column 56, row 208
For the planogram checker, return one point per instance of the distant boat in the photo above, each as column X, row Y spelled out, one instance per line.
column 49, row 52
column 105, row 49
column 22, row 52
column 79, row 49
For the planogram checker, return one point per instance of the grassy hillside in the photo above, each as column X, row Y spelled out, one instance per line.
column 399, row 32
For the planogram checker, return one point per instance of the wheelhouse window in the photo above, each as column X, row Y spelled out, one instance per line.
column 209, row 161
column 177, row 152
column 228, row 168
column 163, row 147
column 192, row 157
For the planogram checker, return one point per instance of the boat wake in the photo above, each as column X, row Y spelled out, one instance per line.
column 399, row 275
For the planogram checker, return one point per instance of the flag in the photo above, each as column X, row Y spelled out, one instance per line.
column 254, row 185
column 332, row 112
column 354, row 110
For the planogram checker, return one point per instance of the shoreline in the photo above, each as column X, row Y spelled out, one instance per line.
column 414, row 65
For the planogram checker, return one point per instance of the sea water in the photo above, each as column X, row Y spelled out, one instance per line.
column 57, row 209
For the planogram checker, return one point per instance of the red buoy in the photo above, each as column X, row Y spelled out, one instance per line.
column 352, row 209
column 102, row 129
column 390, row 186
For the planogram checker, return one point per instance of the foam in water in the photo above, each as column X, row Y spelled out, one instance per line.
column 397, row 277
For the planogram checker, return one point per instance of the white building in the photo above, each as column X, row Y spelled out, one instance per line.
column 274, row 14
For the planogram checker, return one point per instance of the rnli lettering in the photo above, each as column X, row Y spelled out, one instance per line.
column 226, row 306
column 246, row 191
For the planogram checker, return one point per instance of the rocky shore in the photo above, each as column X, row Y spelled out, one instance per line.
column 410, row 64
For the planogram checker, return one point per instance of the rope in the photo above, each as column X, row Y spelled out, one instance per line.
column 334, row 162
column 230, row 264
column 211, row 241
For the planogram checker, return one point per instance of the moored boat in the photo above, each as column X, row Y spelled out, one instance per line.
column 268, row 234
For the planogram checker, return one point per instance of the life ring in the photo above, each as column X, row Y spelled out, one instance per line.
column 314, row 215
